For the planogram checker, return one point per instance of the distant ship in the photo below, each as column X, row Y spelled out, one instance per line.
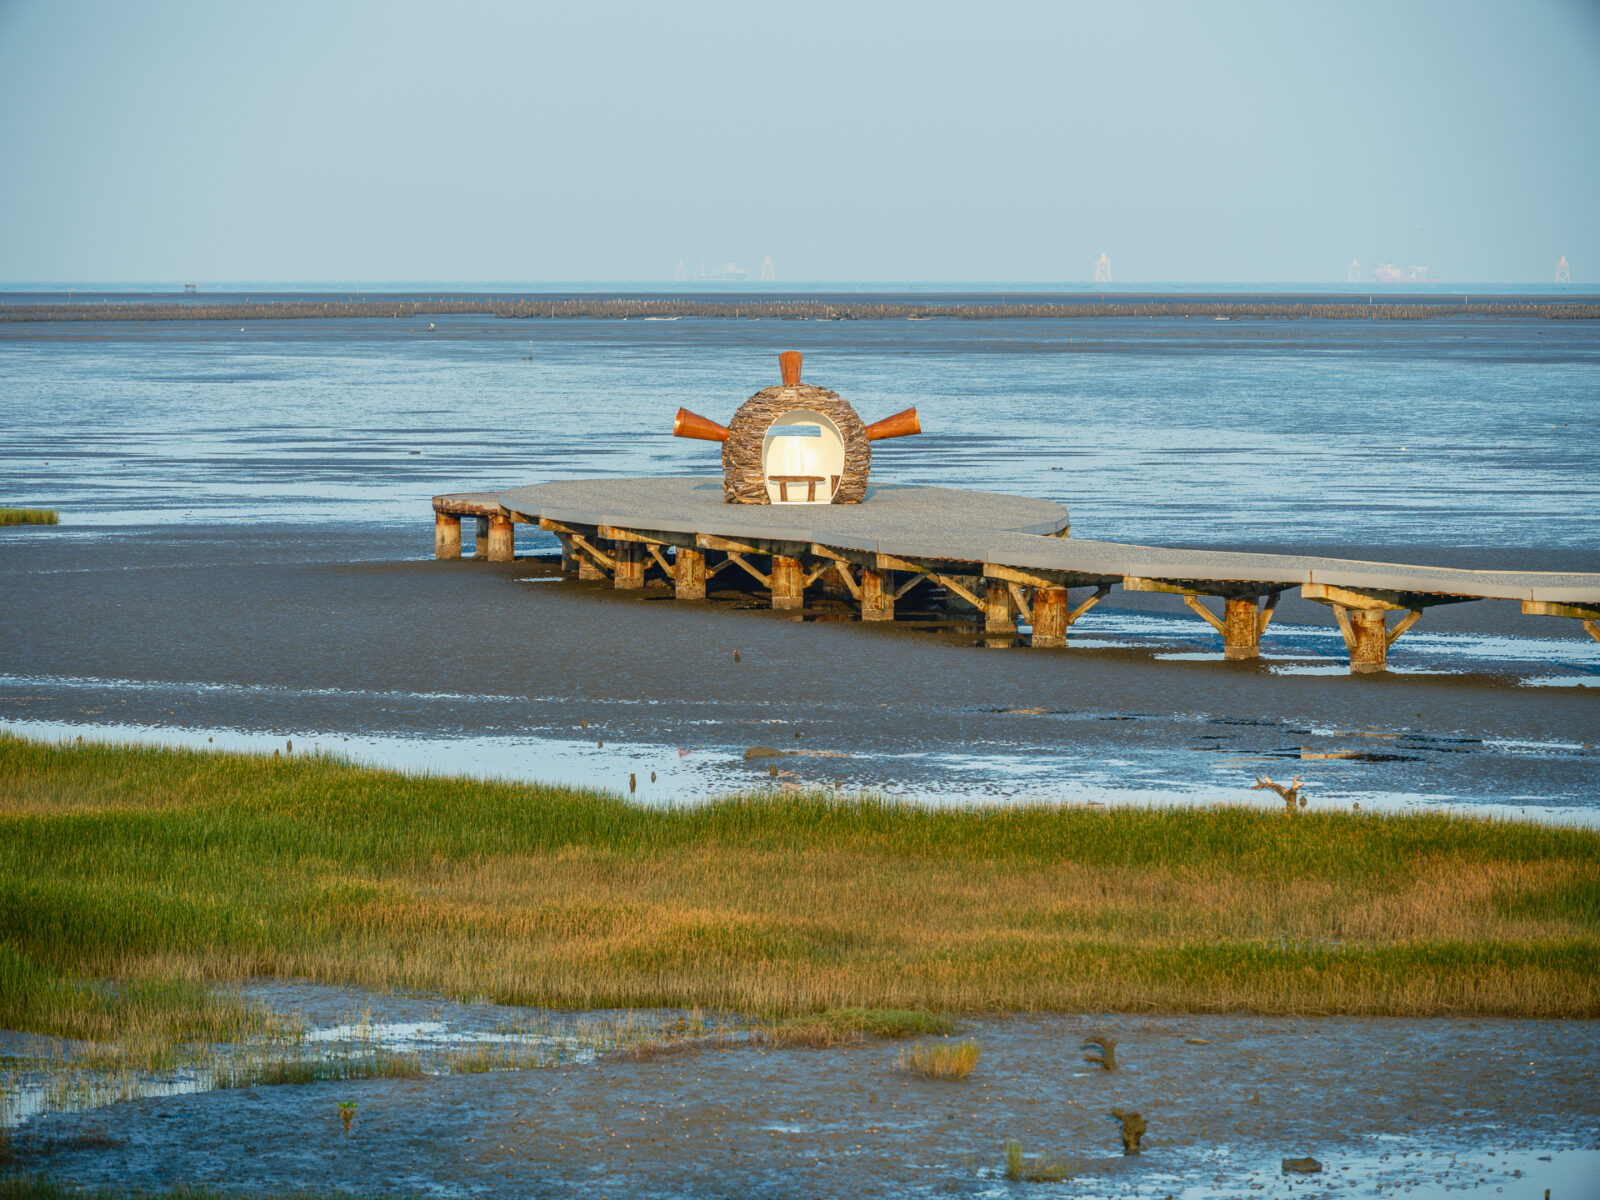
column 1389, row 273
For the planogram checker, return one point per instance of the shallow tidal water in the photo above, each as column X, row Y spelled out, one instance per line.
column 1425, row 1108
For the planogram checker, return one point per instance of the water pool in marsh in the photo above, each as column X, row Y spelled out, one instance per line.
column 1501, row 1108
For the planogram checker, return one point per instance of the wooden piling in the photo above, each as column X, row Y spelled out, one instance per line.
column 1367, row 639
column 1241, row 628
column 446, row 535
column 480, row 538
column 689, row 574
column 788, row 582
column 999, row 621
column 1049, row 616
column 877, row 594
column 629, row 571
column 502, row 540
column 569, row 554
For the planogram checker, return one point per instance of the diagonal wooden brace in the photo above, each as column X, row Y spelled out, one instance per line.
column 738, row 559
column 1100, row 593
column 1403, row 624
column 1211, row 618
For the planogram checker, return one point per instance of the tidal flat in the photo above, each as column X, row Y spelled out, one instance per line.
column 542, row 989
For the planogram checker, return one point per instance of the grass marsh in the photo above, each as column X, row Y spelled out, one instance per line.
column 168, row 872
column 29, row 516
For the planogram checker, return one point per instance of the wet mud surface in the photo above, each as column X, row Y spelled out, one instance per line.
column 1385, row 1106
column 255, row 635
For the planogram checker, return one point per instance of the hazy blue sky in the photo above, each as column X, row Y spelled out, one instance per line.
column 857, row 141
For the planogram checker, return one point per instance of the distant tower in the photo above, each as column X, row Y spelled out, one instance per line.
column 1563, row 272
column 1102, row 269
column 702, row 266
column 680, row 273
column 769, row 273
column 1353, row 275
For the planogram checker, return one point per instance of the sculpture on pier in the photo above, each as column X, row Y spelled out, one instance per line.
column 795, row 443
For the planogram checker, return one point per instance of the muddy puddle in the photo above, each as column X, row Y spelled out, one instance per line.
column 501, row 1101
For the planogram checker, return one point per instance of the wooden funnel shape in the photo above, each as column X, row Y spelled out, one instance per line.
column 901, row 424
column 692, row 425
column 789, row 364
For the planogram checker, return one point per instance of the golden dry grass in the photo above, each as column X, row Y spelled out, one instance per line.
column 940, row 1060
column 178, row 870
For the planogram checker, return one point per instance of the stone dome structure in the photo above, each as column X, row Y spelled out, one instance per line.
column 795, row 443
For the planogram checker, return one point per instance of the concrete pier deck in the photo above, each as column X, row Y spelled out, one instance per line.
column 1005, row 555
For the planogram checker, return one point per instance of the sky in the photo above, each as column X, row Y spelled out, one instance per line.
column 1227, row 142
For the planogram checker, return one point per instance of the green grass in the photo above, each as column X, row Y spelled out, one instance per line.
column 1020, row 1170
column 29, row 516
column 133, row 881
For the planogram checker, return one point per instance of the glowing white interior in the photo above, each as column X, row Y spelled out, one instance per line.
column 803, row 443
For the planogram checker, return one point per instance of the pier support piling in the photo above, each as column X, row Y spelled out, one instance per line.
column 999, row 619
column 788, row 582
column 689, row 574
column 628, row 574
column 1241, row 628
column 1049, row 616
column 877, row 594
column 446, row 535
column 480, row 538
column 502, row 540
column 1365, row 636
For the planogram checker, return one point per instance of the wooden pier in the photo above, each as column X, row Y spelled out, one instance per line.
column 1007, row 556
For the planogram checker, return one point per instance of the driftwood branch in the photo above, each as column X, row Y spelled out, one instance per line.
column 1291, row 791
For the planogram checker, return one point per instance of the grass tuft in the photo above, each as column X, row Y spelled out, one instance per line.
column 940, row 1060
column 29, row 516
column 1020, row 1170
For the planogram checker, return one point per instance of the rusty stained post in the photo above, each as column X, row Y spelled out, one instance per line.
column 689, row 574
column 1049, row 616
column 1368, row 640
column 999, row 623
column 629, row 572
column 502, row 539
column 788, row 582
column 1241, row 628
column 588, row 568
column 446, row 535
column 877, row 594
column 480, row 538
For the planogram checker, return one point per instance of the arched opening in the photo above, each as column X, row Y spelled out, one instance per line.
column 802, row 457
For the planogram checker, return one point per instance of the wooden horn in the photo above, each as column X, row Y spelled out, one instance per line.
column 789, row 364
column 901, row 424
column 692, row 425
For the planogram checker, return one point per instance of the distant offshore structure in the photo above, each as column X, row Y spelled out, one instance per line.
column 1563, row 272
column 1102, row 269
column 1353, row 275
column 1389, row 273
column 769, row 273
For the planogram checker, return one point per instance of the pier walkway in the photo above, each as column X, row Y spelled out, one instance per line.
column 1005, row 555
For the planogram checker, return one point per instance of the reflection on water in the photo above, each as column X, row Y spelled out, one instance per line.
column 1446, row 433
column 974, row 774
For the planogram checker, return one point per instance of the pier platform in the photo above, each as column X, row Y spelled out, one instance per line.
column 1007, row 556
